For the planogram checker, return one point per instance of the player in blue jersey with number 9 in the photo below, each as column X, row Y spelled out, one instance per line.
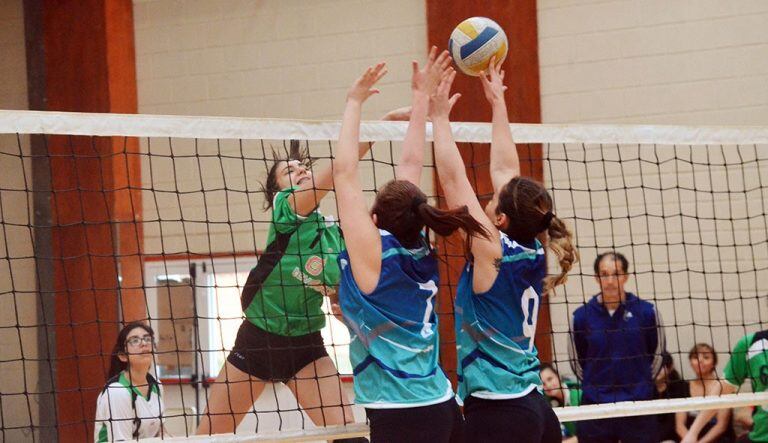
column 499, row 292
column 389, row 277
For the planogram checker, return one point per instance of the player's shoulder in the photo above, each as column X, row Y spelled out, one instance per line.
column 752, row 340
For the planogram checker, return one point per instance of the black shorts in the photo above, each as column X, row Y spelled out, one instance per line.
column 528, row 419
column 272, row 357
column 440, row 423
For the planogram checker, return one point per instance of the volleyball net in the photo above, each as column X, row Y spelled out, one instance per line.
column 107, row 218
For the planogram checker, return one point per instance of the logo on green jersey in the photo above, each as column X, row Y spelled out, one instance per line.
column 314, row 265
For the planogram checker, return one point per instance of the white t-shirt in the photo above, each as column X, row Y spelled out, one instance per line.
column 121, row 407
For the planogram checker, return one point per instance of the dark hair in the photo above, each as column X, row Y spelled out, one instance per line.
column 544, row 366
column 697, row 349
column 402, row 209
column 270, row 187
column 617, row 256
column 116, row 365
column 528, row 207
column 669, row 364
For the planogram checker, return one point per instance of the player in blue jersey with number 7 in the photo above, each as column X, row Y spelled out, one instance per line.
column 389, row 277
column 499, row 292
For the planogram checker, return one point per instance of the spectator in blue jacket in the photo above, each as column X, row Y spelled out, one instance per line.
column 618, row 340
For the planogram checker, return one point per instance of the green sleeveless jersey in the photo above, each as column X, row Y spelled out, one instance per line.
column 749, row 360
column 284, row 292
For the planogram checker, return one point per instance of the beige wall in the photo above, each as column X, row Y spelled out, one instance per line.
column 698, row 62
column 691, row 221
column 286, row 59
column 18, row 347
column 688, row 62
column 702, row 62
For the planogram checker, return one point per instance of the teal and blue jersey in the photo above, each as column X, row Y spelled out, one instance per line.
column 394, row 345
column 495, row 330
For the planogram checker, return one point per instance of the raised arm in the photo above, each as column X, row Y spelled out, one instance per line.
column 457, row 189
column 360, row 234
column 505, row 164
column 307, row 197
column 424, row 83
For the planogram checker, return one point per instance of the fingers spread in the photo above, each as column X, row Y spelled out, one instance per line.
column 444, row 60
column 432, row 54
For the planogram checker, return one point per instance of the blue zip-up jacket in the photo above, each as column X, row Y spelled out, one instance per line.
column 617, row 356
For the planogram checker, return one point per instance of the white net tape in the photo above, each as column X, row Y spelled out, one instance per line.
column 69, row 123
column 62, row 123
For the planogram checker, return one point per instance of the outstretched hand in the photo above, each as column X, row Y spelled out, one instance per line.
column 493, row 82
column 398, row 115
column 441, row 102
column 426, row 79
column 363, row 87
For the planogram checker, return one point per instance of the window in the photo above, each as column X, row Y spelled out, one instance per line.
column 195, row 310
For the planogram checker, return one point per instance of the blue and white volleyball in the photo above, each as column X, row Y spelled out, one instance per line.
column 474, row 42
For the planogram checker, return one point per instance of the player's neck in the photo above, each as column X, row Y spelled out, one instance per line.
column 137, row 376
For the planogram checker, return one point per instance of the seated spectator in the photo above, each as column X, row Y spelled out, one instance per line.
column 703, row 360
column 669, row 384
column 131, row 404
column 561, row 393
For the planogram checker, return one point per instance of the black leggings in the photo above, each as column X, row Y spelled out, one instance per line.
column 440, row 423
column 528, row 419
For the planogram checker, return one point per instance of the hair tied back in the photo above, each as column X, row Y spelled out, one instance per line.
column 417, row 202
column 546, row 221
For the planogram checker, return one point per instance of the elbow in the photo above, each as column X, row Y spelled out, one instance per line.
column 342, row 171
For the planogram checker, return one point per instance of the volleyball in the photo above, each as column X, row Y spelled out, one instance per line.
column 474, row 41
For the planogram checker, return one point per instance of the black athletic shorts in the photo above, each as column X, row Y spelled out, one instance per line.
column 528, row 419
column 440, row 423
column 272, row 357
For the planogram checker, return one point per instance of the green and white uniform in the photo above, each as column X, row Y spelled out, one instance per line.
column 284, row 292
column 571, row 397
column 123, row 413
column 749, row 360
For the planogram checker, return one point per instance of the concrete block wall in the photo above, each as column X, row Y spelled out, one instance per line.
column 18, row 346
column 286, row 59
column 697, row 62
column 691, row 62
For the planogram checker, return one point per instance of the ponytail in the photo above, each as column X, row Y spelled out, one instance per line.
column 561, row 243
column 446, row 221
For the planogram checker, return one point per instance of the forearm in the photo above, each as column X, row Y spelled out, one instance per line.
column 714, row 433
column 347, row 158
column 450, row 166
column 505, row 163
column 680, row 428
column 412, row 157
column 701, row 420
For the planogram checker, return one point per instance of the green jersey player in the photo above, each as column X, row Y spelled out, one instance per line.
column 280, row 339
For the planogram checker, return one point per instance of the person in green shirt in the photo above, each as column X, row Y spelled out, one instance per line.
column 560, row 393
column 280, row 339
column 749, row 360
